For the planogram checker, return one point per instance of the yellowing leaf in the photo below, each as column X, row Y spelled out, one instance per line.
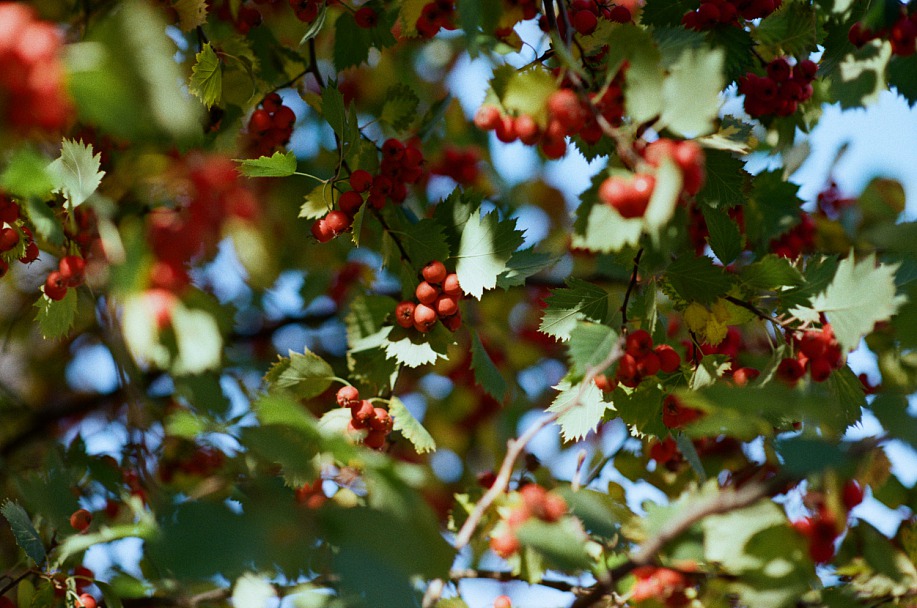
column 207, row 77
column 76, row 172
column 860, row 295
column 191, row 13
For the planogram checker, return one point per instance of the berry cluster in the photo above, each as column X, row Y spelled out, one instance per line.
column 270, row 126
column 32, row 90
column 781, row 91
column 246, row 18
column 818, row 352
column 567, row 116
column 662, row 585
column 529, row 7
column 376, row 421
column 71, row 272
column 585, row 14
column 10, row 234
column 176, row 235
column 800, row 239
column 536, row 502
column 831, row 201
column 630, row 195
column 642, row 359
column 438, row 295
column 676, row 414
column 665, row 452
column 434, row 16
column 902, row 34
column 311, row 494
column 461, row 164
column 306, row 10
column 186, row 458
column 712, row 13
column 822, row 529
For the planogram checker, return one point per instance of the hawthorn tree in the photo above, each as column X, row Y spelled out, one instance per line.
column 189, row 187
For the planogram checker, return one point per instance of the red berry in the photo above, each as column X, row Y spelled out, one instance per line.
column 72, row 269
column 527, row 130
column 424, row 318
column 445, row 306
column 648, row 365
column 744, row 375
column 638, row 343
column 80, row 520
column 790, row 371
column 669, row 360
column 585, row 22
column 55, row 286
column 426, row 293
column 454, row 322
column 9, row 238
column 31, row 253
column 87, row 601
column 487, row 118
column 554, row 507
column 9, row 211
column 503, row 601
column 451, row 286
column 506, row 129
column 350, row 202
column 565, row 107
column 322, row 231
column 362, row 412
column 338, row 222
column 434, row 272
column 393, row 149
column 361, row 180
column 347, row 395
column 382, row 421
column 820, row 369
column 375, row 439
column 505, row 544
column 853, row 494
column 283, row 118
column 404, row 314
column 366, row 17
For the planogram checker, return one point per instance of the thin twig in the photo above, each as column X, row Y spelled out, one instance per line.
column 13, row 582
column 391, row 233
column 758, row 312
column 630, row 289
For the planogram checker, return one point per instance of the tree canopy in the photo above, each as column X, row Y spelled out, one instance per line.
column 277, row 328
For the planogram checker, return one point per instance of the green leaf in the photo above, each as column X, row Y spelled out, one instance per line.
column 770, row 273
column 410, row 428
column 200, row 343
column 582, row 407
column 316, row 26
column 307, row 375
column 207, row 77
column 110, row 595
column 641, row 410
column 366, row 316
column 664, row 199
column 606, row 231
column 737, row 45
column 523, row 92
column 892, row 412
column 46, row 224
column 660, row 13
column 317, row 203
column 725, row 239
column 333, row 110
column 424, row 241
column 24, row 532
column 563, row 543
column 522, row 265
column 25, row 175
column 691, row 93
column 644, row 83
column 590, row 344
column 400, row 108
column 76, row 172
column 860, row 77
column 725, row 180
column 579, row 301
column 486, row 374
column 411, row 348
column 792, row 28
column 487, row 244
column 351, row 42
column 55, row 317
column 278, row 165
column 902, row 74
column 861, row 295
column 697, row 279
column 775, row 207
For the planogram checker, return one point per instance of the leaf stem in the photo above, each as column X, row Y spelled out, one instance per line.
column 630, row 289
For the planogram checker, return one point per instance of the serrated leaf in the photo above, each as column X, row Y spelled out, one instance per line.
column 352, row 42
column 579, row 301
column 902, row 74
column 278, row 165
column 487, row 244
column 253, row 591
column 563, row 543
column 424, row 241
column 583, row 409
column 523, row 92
column 860, row 295
column 771, row 273
column 643, row 85
column 24, row 532
column 725, row 180
column 860, row 77
column 725, row 239
column 590, row 343
column 46, row 224
column 207, row 77
column 410, row 428
column 486, row 374
column 333, row 110
column 366, row 316
column 737, row 44
column 792, row 28
column 414, row 349
column 660, row 13
column 55, row 317
column 400, row 107
column 691, row 93
column 76, row 172
column 697, row 279
column 25, row 175
column 664, row 199
column 522, row 265
column 605, row 231
column 317, row 203
column 191, row 13
column 110, row 595
column 306, row 376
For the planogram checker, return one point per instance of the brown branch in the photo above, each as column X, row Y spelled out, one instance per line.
column 404, row 254
column 757, row 312
column 506, row 576
column 630, row 288
column 313, row 65
column 515, row 448
column 725, row 501
column 13, row 582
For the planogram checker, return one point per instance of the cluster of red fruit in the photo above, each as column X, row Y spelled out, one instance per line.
column 831, row 201
column 630, row 196
column 192, row 460
column 712, row 13
column 176, row 235
column 800, row 239
column 781, row 91
column 461, row 164
column 246, row 17
column 32, row 90
column 10, row 235
column 376, row 421
column 438, row 295
column 642, row 359
column 270, row 126
column 536, row 502
column 675, row 414
column 818, row 352
column 311, row 494
column 585, row 14
column 661, row 585
column 434, row 16
column 529, row 8
column 71, row 272
column 821, row 529
column 902, row 34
